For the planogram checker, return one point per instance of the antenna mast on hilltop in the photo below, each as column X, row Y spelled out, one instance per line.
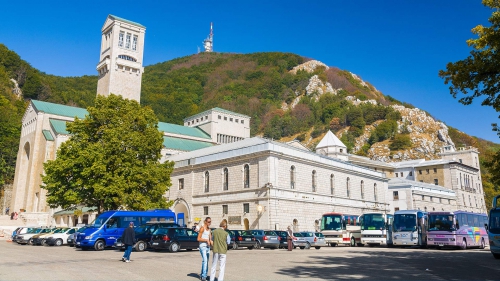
column 208, row 43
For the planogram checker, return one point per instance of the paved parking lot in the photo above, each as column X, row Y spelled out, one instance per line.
column 20, row 262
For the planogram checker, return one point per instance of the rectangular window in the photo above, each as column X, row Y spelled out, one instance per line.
column 225, row 118
column 246, row 208
column 449, row 201
column 436, row 181
column 427, row 171
column 419, row 172
column 242, row 122
column 127, row 42
column 231, row 119
column 421, row 180
column 430, row 198
column 236, row 120
column 396, row 209
column 205, row 211
column 134, row 43
column 224, row 209
column 220, row 117
column 440, row 200
column 395, row 195
column 411, row 174
column 401, row 174
column 423, row 197
column 435, row 170
column 396, row 175
column 460, row 160
column 181, row 184
column 120, row 39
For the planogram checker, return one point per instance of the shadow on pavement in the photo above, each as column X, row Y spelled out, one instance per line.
column 398, row 265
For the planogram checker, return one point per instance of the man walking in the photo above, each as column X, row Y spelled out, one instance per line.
column 128, row 239
column 221, row 240
column 289, row 238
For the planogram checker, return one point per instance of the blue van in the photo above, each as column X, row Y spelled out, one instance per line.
column 109, row 226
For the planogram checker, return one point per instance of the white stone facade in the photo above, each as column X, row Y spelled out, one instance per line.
column 120, row 64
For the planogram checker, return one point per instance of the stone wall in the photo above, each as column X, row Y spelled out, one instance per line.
column 6, row 198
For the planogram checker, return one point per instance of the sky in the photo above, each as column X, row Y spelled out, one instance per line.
column 397, row 46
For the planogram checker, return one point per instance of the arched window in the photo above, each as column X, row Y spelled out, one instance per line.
column 226, row 179
column 362, row 190
column 375, row 192
column 348, row 191
column 292, row 177
column 246, row 176
column 125, row 57
column 332, row 184
column 314, row 180
column 295, row 225
column 207, row 181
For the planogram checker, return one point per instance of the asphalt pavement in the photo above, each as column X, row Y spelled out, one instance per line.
column 23, row 262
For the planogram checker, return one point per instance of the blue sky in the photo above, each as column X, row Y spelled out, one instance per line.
column 398, row 46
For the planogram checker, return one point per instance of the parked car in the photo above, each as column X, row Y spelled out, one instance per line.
column 174, row 239
column 242, row 238
column 21, row 230
column 283, row 238
column 314, row 239
column 26, row 238
column 143, row 235
column 60, row 236
column 266, row 239
column 300, row 241
column 39, row 239
column 71, row 240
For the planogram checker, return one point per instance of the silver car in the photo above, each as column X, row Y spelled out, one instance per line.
column 300, row 241
column 314, row 239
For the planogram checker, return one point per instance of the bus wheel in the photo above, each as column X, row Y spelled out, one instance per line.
column 99, row 245
column 464, row 244
column 353, row 242
column 482, row 244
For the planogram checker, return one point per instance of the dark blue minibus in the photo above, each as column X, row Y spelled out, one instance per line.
column 109, row 226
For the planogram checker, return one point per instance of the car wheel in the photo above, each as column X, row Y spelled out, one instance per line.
column 99, row 245
column 353, row 242
column 174, row 247
column 333, row 245
column 482, row 244
column 250, row 247
column 140, row 246
column 317, row 248
column 496, row 256
column 235, row 246
column 30, row 242
column 464, row 244
column 257, row 245
column 58, row 242
column 308, row 246
column 360, row 245
column 302, row 247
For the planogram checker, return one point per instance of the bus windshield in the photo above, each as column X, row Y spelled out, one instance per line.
column 373, row 222
column 405, row 222
column 331, row 222
column 494, row 226
column 441, row 223
column 99, row 221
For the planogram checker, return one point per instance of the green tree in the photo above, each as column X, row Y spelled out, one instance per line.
column 111, row 160
column 400, row 141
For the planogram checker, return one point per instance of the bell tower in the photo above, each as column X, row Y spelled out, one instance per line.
column 120, row 65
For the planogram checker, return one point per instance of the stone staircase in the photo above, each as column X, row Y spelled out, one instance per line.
column 7, row 226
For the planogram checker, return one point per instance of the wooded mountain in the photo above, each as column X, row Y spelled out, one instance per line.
column 287, row 96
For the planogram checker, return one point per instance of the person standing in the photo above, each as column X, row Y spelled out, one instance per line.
column 289, row 238
column 205, row 239
column 221, row 240
column 128, row 239
column 7, row 211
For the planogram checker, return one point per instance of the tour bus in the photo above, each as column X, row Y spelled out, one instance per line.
column 456, row 229
column 494, row 228
column 109, row 226
column 409, row 228
column 376, row 229
column 341, row 229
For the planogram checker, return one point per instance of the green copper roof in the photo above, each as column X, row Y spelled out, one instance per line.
column 58, row 109
column 183, row 144
column 182, row 130
column 127, row 21
column 59, row 126
column 229, row 112
column 85, row 210
column 48, row 135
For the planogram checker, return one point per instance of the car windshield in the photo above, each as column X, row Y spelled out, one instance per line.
column 298, row 234
column 281, row 233
column 494, row 225
column 307, row 234
column 98, row 222
column 34, row 230
column 405, row 222
column 441, row 222
column 319, row 234
column 256, row 232
column 331, row 222
column 245, row 233
column 161, row 231
column 270, row 233
column 60, row 230
column 372, row 222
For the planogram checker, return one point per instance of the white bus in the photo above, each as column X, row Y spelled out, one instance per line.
column 409, row 228
column 376, row 229
column 341, row 229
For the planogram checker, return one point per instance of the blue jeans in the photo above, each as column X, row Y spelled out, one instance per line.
column 128, row 251
column 205, row 254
